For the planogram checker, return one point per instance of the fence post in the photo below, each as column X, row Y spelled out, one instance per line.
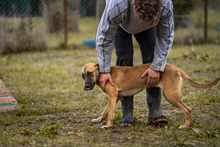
column 65, row 22
column 97, row 12
column 205, row 25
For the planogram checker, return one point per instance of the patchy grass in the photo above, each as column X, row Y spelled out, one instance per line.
column 56, row 111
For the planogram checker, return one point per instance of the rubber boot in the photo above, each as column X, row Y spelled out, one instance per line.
column 127, row 104
column 153, row 100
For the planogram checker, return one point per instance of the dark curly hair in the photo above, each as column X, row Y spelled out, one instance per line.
column 147, row 11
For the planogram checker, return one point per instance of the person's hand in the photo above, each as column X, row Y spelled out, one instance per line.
column 153, row 77
column 103, row 78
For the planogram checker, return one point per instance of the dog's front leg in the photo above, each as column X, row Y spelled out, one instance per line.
column 113, row 99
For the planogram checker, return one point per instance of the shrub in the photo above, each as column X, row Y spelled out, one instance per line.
column 19, row 39
column 182, row 7
column 73, row 20
column 54, row 17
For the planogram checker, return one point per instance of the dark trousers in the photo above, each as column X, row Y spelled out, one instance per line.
column 124, row 46
column 124, row 52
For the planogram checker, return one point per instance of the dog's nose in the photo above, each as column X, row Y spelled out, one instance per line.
column 87, row 85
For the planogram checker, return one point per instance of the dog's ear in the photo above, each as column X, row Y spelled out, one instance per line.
column 97, row 65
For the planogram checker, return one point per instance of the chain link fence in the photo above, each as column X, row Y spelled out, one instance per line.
column 190, row 21
column 39, row 24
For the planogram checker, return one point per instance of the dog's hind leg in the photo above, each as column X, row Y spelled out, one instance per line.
column 103, row 116
column 172, row 90
column 104, row 113
column 174, row 98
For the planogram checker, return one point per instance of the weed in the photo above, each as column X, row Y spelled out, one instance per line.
column 48, row 131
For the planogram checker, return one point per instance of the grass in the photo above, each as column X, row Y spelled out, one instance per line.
column 56, row 111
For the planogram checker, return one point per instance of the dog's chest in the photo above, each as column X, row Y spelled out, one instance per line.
column 129, row 92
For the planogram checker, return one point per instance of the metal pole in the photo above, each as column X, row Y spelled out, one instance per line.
column 97, row 12
column 205, row 25
column 30, row 18
column 65, row 22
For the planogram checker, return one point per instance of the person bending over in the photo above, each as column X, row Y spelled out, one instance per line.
column 151, row 22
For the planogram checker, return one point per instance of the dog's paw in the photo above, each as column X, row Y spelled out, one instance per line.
column 95, row 120
column 182, row 126
column 106, row 126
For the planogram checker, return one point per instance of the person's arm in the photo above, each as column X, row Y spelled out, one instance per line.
column 113, row 14
column 164, row 38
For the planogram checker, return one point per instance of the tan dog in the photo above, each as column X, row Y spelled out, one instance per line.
column 127, row 82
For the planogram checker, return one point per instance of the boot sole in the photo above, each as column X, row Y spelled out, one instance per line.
column 126, row 124
column 158, row 121
column 161, row 121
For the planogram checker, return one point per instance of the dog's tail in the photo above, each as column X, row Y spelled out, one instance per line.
column 197, row 84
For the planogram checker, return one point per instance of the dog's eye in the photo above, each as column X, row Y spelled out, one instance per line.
column 90, row 74
column 83, row 76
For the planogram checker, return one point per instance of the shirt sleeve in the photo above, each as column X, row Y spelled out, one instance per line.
column 113, row 14
column 164, row 38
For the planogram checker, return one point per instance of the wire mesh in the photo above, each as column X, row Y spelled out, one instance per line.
column 38, row 22
column 189, row 18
